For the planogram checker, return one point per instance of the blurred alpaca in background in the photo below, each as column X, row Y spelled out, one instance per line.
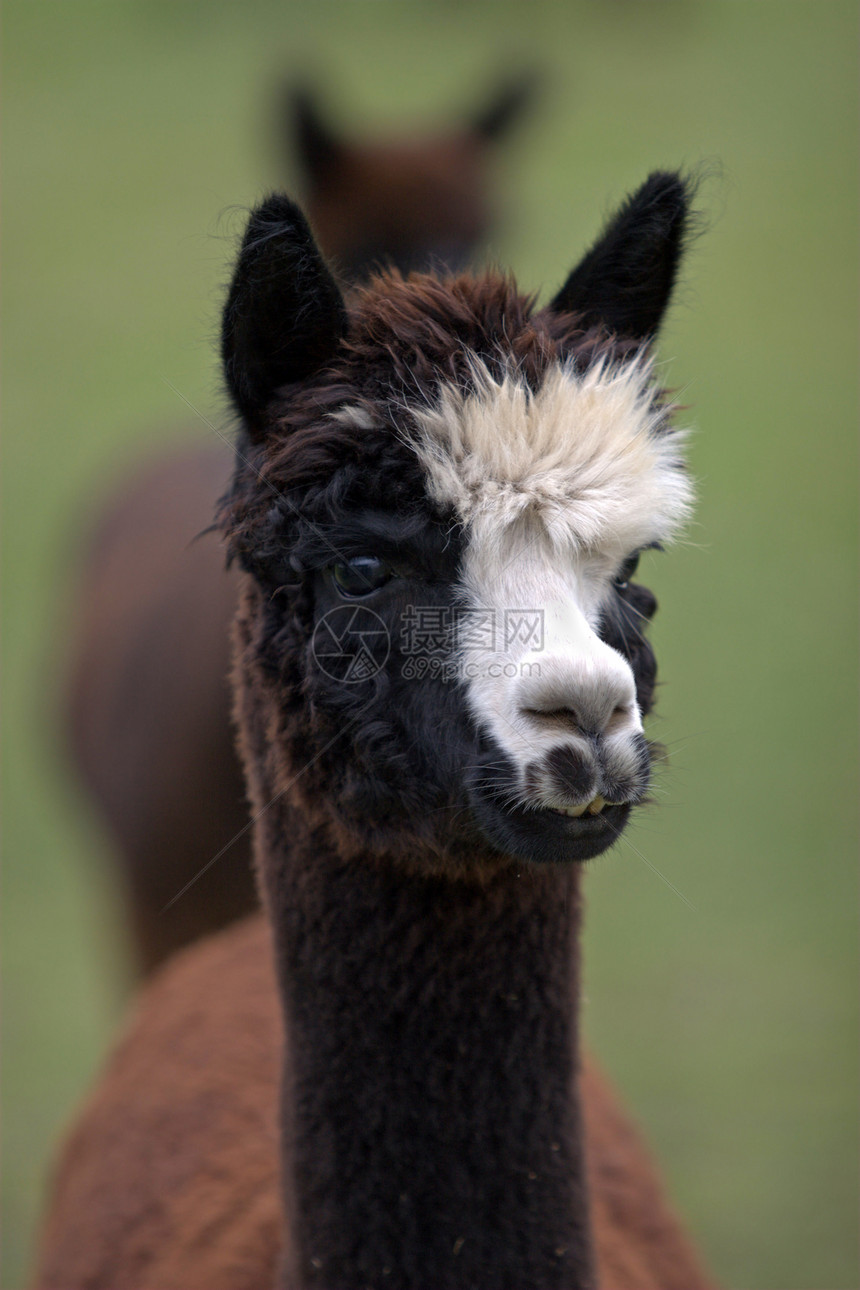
column 148, row 702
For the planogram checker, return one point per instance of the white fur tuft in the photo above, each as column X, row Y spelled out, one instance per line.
column 555, row 489
column 588, row 458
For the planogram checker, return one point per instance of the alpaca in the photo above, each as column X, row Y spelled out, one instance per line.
column 148, row 700
column 439, row 446
column 413, row 201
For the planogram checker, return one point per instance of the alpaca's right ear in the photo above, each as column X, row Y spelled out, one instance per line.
column 625, row 281
column 284, row 315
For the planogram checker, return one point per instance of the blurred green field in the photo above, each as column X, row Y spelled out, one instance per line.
column 727, row 1014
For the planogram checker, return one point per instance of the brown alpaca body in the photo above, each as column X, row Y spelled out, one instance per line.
column 169, row 1180
column 147, row 696
column 149, row 701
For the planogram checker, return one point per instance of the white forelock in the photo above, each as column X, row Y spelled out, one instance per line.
column 588, row 458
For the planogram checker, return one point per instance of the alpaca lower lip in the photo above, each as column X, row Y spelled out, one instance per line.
column 547, row 835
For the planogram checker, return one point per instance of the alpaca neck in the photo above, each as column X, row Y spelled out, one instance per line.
column 431, row 1132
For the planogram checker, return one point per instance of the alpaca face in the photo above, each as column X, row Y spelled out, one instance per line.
column 558, row 491
column 441, row 499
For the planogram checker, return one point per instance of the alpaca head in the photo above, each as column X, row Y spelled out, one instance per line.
column 440, row 497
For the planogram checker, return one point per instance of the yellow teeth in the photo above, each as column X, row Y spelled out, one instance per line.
column 594, row 807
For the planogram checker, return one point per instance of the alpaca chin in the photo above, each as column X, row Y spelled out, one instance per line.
column 548, row 836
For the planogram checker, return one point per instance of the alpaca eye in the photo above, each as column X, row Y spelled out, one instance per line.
column 360, row 575
column 626, row 572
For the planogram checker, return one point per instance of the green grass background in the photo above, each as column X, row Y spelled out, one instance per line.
column 728, row 1016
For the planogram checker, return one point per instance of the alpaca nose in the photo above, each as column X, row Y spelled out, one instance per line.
column 586, row 696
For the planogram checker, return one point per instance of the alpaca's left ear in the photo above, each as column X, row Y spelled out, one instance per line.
column 284, row 315
column 625, row 281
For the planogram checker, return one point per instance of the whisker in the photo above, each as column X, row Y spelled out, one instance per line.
column 655, row 870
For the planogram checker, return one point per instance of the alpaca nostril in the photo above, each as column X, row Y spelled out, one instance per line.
column 569, row 720
column 620, row 717
column 555, row 718
column 586, row 696
column 581, row 721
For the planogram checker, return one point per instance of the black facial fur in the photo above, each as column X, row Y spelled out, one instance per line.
column 417, row 764
column 624, row 621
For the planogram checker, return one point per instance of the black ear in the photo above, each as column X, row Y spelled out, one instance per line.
column 313, row 143
column 510, row 101
column 284, row 313
column 626, row 279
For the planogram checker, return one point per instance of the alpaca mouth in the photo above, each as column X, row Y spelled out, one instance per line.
column 590, row 820
column 548, row 834
column 594, row 807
